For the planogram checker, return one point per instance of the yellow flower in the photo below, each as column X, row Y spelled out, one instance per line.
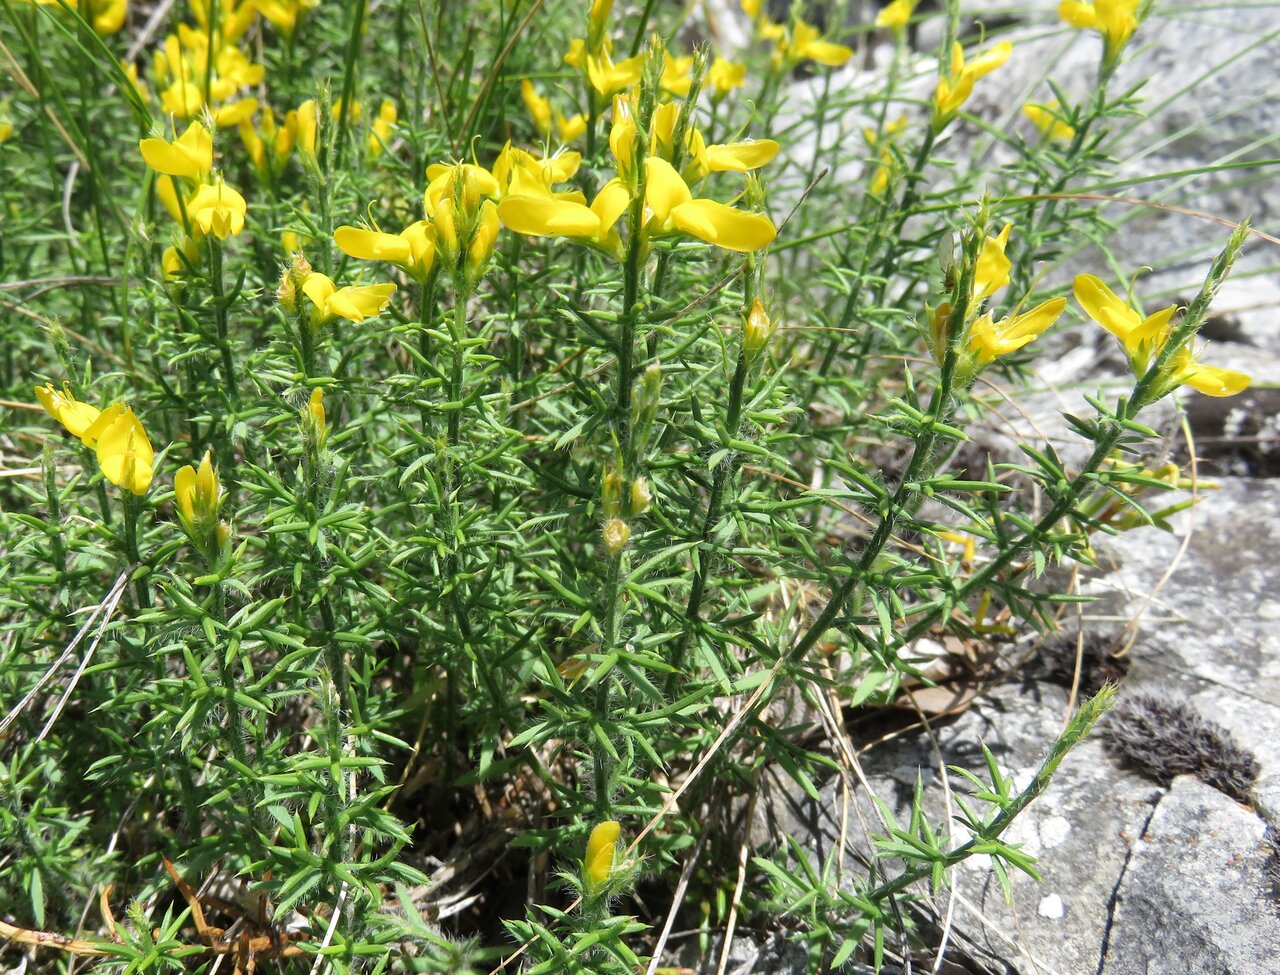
column 216, row 209
column 539, row 108
column 991, row 273
column 954, row 90
column 677, row 75
column 896, row 16
column 989, row 340
column 1184, row 370
column 1143, row 338
column 801, row 41
column 284, row 14
column 672, row 210
column 413, row 250
column 573, row 128
column 380, row 135
column 354, row 302
column 724, row 76
column 177, row 263
column 306, row 122
column 1046, row 119
column 601, row 850
column 77, row 417
column 107, row 16
column 190, row 156
column 701, row 159
column 124, row 452
column 543, row 214
column 605, row 77
column 1115, row 20
column 881, row 143
column 199, row 497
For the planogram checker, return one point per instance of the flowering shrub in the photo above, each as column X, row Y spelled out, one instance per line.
column 449, row 489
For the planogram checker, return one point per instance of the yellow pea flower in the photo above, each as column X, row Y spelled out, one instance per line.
column 954, row 90
column 357, row 110
column 354, row 302
column 176, row 263
column 1144, row 336
column 1115, row 20
column 546, row 215
column 77, row 417
column 124, row 452
column 599, row 69
column 801, row 41
column 109, row 17
column 1046, row 119
column 1185, row 370
column 190, row 156
column 380, row 134
column 673, row 210
column 991, row 273
column 413, row 250
column 602, row 848
column 702, row 159
column 285, row 14
column 217, row 209
column 307, row 123
column 896, row 16
column 198, row 495
column 521, row 173
column 571, row 129
column 484, row 239
column 539, row 108
column 988, row 340
column 677, row 75
column 724, row 76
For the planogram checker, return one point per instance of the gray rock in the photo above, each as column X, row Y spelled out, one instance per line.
column 1194, row 898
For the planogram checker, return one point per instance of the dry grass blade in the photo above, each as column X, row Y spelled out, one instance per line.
column 113, row 597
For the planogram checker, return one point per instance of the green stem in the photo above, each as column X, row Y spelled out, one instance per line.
column 220, row 320
column 349, row 77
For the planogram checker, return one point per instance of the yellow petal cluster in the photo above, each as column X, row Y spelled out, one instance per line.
column 198, row 68
column 413, row 250
column 1048, row 121
column 115, row 435
column 955, row 88
column 547, row 118
column 896, row 15
column 1115, row 20
column 531, row 206
column 355, row 303
column 1144, row 337
column 198, row 496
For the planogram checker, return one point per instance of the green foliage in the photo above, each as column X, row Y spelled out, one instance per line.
column 543, row 538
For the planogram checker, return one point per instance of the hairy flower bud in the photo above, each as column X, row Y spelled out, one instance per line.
column 641, row 496
column 756, row 331
column 616, row 534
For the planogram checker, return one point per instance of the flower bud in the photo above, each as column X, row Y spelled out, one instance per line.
column 641, row 496
column 198, row 498
column 602, row 847
column 611, row 494
column 616, row 534
column 644, row 408
column 939, row 330
column 756, row 331
column 287, row 293
column 315, row 427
